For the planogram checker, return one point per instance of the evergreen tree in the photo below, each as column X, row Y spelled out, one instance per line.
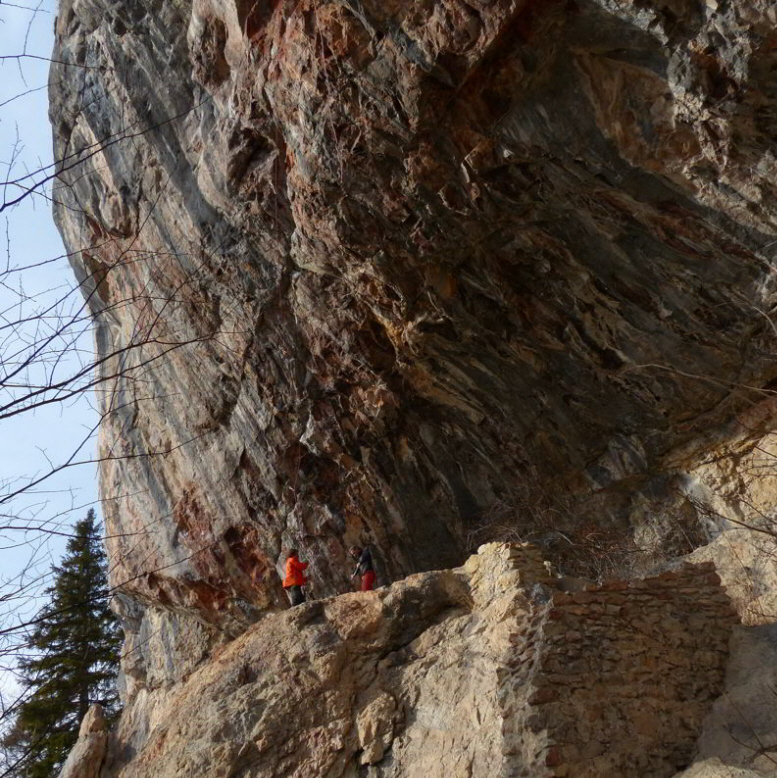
column 75, row 642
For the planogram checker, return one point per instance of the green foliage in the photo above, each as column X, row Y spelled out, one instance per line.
column 75, row 640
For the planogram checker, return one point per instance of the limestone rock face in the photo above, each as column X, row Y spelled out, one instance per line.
column 86, row 756
column 486, row 670
column 379, row 271
column 714, row 768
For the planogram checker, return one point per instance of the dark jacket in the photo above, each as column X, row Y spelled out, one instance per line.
column 365, row 562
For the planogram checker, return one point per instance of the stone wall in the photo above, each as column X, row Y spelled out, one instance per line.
column 628, row 672
column 610, row 681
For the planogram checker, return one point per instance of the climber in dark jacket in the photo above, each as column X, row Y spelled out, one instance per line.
column 364, row 567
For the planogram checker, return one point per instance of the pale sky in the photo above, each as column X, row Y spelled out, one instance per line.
column 31, row 440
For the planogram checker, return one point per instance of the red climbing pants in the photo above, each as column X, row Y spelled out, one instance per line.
column 368, row 581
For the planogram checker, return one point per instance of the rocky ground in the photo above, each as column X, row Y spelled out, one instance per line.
column 488, row 670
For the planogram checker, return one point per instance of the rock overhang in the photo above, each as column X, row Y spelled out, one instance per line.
column 411, row 269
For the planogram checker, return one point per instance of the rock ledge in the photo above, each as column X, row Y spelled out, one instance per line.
column 489, row 669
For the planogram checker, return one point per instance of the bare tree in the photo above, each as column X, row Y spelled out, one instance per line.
column 48, row 362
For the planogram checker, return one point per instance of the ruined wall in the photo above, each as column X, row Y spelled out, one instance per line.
column 379, row 271
column 630, row 672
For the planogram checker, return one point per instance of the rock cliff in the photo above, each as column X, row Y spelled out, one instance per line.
column 381, row 272
column 416, row 274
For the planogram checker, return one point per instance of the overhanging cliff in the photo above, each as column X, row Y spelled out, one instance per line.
column 379, row 271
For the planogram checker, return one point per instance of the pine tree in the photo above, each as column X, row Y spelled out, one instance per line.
column 75, row 643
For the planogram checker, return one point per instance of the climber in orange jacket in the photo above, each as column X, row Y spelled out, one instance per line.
column 295, row 577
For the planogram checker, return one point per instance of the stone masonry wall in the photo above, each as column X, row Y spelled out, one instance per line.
column 611, row 681
column 628, row 672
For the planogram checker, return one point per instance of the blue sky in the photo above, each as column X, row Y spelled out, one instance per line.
column 32, row 441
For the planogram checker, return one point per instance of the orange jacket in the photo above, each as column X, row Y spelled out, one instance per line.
column 294, row 574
